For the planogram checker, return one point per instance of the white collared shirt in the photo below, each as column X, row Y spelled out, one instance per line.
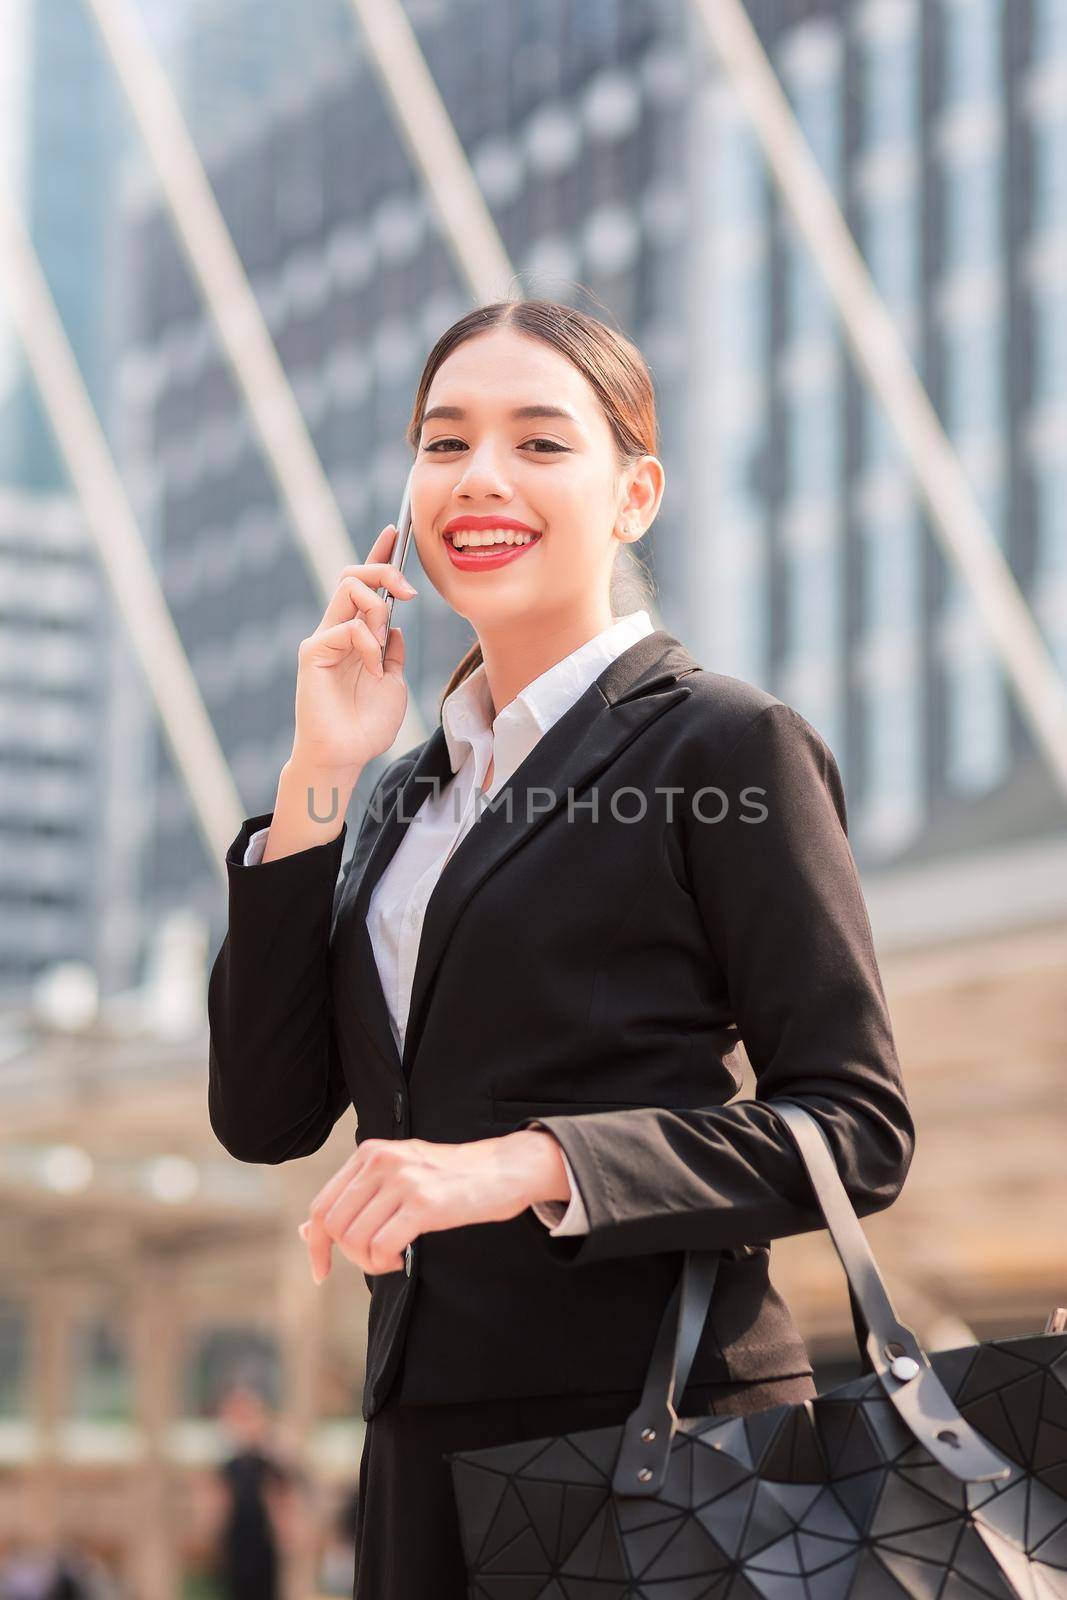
column 474, row 736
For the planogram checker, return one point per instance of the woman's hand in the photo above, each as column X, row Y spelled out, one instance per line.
column 349, row 708
column 391, row 1190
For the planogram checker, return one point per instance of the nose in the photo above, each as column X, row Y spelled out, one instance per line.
column 481, row 475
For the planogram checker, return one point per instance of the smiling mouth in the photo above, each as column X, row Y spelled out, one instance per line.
column 497, row 544
column 468, row 558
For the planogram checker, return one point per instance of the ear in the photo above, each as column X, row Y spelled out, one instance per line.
column 644, row 483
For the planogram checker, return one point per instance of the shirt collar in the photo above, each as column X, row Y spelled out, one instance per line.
column 466, row 713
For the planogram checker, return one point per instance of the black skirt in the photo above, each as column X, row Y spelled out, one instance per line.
column 408, row 1544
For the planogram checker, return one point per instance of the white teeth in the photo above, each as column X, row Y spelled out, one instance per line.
column 483, row 536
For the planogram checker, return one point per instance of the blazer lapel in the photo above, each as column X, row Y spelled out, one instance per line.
column 631, row 693
column 366, row 985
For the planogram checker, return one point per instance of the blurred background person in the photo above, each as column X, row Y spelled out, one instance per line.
column 254, row 1490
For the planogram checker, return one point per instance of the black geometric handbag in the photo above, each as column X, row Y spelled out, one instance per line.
column 936, row 1478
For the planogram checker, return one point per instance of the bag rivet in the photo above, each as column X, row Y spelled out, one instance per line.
column 648, row 1434
column 644, row 1473
column 904, row 1367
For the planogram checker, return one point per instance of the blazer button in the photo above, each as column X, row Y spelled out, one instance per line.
column 408, row 1252
column 398, row 1106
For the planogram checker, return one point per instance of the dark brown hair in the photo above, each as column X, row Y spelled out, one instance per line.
column 614, row 368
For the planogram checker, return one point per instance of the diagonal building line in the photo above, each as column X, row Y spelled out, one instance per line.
column 959, row 523
column 427, row 130
column 239, row 322
column 228, row 296
column 126, row 562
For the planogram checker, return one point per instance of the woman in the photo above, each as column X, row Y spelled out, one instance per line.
column 250, row 1489
column 605, row 869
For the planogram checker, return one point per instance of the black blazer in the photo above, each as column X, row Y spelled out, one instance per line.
column 597, row 974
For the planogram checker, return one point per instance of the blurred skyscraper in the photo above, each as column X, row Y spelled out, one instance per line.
column 942, row 129
column 58, row 140
column 232, row 55
column 57, row 149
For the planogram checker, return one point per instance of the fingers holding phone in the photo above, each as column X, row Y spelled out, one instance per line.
column 350, row 703
column 365, row 593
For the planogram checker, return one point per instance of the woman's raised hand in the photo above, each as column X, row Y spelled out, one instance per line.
column 349, row 708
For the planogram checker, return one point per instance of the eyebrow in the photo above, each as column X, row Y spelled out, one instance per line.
column 520, row 413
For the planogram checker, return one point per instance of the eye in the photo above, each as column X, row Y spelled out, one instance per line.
column 435, row 447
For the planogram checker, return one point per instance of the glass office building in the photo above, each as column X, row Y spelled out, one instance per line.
column 58, row 138
column 939, row 128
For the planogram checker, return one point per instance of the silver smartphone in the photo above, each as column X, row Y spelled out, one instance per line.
column 400, row 544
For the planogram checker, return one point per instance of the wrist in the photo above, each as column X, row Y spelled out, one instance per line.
column 310, row 808
column 540, row 1156
column 319, row 794
column 300, row 769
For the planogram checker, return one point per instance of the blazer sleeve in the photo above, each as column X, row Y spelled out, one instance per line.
column 777, row 890
column 275, row 1082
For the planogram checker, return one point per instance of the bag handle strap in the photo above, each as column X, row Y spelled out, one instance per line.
column 646, row 1440
column 904, row 1371
column 889, row 1346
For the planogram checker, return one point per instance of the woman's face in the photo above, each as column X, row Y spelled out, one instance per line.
column 554, row 474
